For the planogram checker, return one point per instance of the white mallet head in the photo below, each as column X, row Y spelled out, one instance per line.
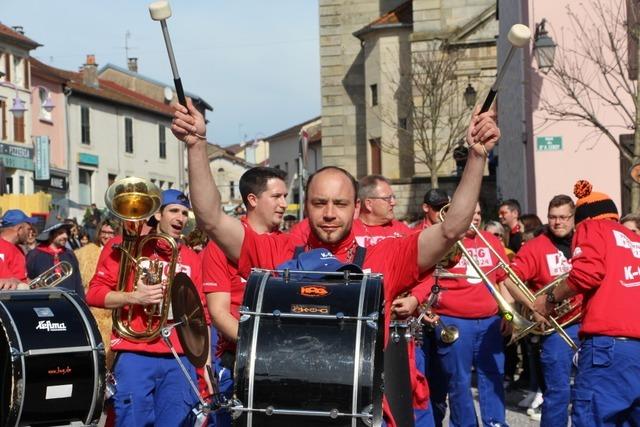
column 161, row 10
column 519, row 35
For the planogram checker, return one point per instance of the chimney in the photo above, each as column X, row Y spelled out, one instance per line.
column 132, row 64
column 19, row 29
column 90, row 72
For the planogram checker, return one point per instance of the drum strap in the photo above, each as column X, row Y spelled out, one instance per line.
column 397, row 382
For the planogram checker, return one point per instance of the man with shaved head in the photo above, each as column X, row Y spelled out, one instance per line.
column 331, row 200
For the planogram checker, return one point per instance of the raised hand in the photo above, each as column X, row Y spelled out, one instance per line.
column 188, row 125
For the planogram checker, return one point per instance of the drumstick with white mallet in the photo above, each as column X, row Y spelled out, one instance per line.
column 161, row 11
column 519, row 35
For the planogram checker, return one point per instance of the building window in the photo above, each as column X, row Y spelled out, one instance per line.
column 402, row 123
column 286, row 168
column 170, row 184
column 374, row 95
column 18, row 129
column 376, row 156
column 21, row 184
column 4, row 66
column 9, row 185
column 161, row 185
column 85, row 187
column 153, row 181
column 111, row 178
column 84, row 125
column 3, row 120
column 43, row 94
column 162, row 138
column 18, row 67
column 128, row 135
column 232, row 190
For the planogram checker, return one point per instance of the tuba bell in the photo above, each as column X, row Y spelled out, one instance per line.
column 134, row 200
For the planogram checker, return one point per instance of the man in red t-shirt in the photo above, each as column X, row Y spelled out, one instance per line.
column 375, row 223
column 150, row 386
column 264, row 194
column 15, row 231
column 330, row 205
column 537, row 263
column 466, row 304
column 605, row 267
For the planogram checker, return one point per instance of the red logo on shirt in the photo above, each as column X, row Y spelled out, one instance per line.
column 314, row 291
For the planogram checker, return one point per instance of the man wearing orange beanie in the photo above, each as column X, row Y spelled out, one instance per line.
column 606, row 270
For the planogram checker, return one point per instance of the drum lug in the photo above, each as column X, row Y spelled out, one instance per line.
column 367, row 419
column 373, row 321
column 15, row 354
column 244, row 317
column 236, row 408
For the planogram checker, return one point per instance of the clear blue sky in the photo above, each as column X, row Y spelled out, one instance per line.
column 256, row 62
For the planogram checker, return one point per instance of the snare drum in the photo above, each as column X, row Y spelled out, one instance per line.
column 51, row 357
column 310, row 351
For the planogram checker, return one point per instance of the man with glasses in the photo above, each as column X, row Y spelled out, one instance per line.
column 88, row 256
column 375, row 223
column 538, row 263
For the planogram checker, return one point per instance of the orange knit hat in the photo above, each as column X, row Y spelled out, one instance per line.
column 592, row 204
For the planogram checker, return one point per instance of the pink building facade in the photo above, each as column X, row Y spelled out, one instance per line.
column 48, row 87
column 539, row 157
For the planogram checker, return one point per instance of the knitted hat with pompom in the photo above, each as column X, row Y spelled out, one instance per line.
column 592, row 204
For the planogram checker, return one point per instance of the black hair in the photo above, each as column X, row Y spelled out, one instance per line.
column 254, row 181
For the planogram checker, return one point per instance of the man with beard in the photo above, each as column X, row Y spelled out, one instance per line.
column 330, row 205
column 51, row 250
column 151, row 389
column 264, row 194
column 538, row 263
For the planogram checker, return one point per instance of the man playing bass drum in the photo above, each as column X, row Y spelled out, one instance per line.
column 150, row 387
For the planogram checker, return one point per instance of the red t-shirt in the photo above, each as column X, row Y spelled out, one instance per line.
column 538, row 263
column 14, row 260
column 106, row 277
column 369, row 235
column 396, row 259
column 468, row 297
column 606, row 270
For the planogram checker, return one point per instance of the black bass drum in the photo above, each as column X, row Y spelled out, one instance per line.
column 52, row 359
column 310, row 351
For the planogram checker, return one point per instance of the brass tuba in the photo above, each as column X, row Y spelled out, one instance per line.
column 134, row 200
column 51, row 277
column 518, row 322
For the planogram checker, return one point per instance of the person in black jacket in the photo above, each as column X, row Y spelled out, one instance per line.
column 50, row 251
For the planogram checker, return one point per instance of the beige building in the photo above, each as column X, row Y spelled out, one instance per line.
column 227, row 169
column 369, row 50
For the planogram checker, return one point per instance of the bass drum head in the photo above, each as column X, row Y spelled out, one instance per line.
column 307, row 364
column 52, row 359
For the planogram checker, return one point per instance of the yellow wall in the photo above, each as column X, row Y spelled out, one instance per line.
column 29, row 203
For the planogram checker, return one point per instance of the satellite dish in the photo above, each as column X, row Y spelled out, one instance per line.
column 168, row 94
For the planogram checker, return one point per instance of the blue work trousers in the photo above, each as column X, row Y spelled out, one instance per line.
column 222, row 417
column 152, row 391
column 607, row 386
column 423, row 417
column 480, row 345
column 556, row 359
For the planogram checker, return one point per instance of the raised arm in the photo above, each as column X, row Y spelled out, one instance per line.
column 435, row 241
column 227, row 232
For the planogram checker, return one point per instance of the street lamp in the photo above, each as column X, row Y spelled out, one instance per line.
column 18, row 107
column 544, row 48
column 470, row 96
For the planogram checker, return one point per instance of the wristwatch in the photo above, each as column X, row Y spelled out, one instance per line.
column 551, row 298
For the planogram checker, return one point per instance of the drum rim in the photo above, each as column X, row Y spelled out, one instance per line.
column 19, row 385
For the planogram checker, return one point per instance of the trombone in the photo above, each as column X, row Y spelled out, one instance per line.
column 449, row 333
column 506, row 311
column 51, row 277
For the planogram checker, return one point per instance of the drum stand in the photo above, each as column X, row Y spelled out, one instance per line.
column 203, row 408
